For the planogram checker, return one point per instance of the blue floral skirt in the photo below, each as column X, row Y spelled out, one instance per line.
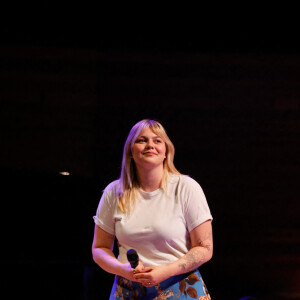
column 184, row 286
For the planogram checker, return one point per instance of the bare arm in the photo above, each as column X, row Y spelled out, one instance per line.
column 201, row 252
column 103, row 255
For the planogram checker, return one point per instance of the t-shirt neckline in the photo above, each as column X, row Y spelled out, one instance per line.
column 149, row 195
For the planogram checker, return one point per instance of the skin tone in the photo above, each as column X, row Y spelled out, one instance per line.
column 149, row 152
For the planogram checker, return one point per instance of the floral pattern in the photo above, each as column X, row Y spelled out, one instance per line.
column 188, row 286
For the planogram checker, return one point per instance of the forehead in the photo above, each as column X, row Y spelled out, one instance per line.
column 148, row 132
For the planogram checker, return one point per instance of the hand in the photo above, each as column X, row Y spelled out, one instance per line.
column 128, row 273
column 152, row 275
column 139, row 269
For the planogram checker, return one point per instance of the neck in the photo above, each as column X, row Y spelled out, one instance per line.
column 150, row 180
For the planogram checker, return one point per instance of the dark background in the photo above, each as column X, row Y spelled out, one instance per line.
column 70, row 92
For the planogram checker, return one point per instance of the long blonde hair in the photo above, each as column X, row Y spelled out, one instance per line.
column 128, row 181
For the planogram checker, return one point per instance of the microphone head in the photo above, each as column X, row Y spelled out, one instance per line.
column 133, row 258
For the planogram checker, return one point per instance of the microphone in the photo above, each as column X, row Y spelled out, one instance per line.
column 133, row 258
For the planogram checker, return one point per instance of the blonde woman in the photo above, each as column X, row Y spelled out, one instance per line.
column 160, row 213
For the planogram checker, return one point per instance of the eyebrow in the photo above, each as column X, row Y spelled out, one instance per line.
column 154, row 137
column 151, row 137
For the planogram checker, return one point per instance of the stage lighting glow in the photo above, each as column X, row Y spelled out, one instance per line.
column 64, row 173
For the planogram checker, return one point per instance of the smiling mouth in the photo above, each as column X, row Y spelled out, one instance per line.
column 149, row 153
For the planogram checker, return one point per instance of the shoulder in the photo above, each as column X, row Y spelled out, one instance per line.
column 184, row 184
column 109, row 195
column 111, row 188
column 188, row 182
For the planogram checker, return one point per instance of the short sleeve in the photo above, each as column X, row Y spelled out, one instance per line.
column 195, row 207
column 104, row 217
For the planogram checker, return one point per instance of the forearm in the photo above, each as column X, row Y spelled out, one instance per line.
column 196, row 257
column 192, row 260
column 106, row 259
column 201, row 252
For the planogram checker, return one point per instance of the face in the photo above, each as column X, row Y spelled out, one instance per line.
column 148, row 149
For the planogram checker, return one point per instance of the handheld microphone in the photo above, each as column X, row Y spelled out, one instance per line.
column 133, row 258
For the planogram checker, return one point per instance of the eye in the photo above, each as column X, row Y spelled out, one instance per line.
column 158, row 141
column 140, row 140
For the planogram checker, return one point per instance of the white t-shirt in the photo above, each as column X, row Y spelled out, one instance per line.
column 158, row 228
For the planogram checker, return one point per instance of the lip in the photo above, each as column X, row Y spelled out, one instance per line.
column 149, row 153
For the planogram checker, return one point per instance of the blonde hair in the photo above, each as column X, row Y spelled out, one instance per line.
column 128, row 181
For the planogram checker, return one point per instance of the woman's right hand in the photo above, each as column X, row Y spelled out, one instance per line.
column 128, row 272
column 103, row 255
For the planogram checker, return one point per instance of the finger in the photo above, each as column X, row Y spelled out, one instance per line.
column 142, row 272
column 147, row 269
column 140, row 276
column 139, row 269
column 143, row 278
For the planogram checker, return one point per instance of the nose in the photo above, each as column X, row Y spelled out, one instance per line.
column 149, row 145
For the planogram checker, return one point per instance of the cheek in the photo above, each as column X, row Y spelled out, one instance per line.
column 164, row 150
column 135, row 149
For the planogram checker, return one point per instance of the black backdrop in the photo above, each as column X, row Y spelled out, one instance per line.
column 231, row 107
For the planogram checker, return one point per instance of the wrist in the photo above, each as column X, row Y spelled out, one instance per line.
column 120, row 270
column 124, row 270
column 172, row 269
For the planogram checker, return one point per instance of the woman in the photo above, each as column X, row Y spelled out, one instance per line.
column 161, row 214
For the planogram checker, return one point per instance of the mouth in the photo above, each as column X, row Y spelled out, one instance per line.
column 149, row 153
